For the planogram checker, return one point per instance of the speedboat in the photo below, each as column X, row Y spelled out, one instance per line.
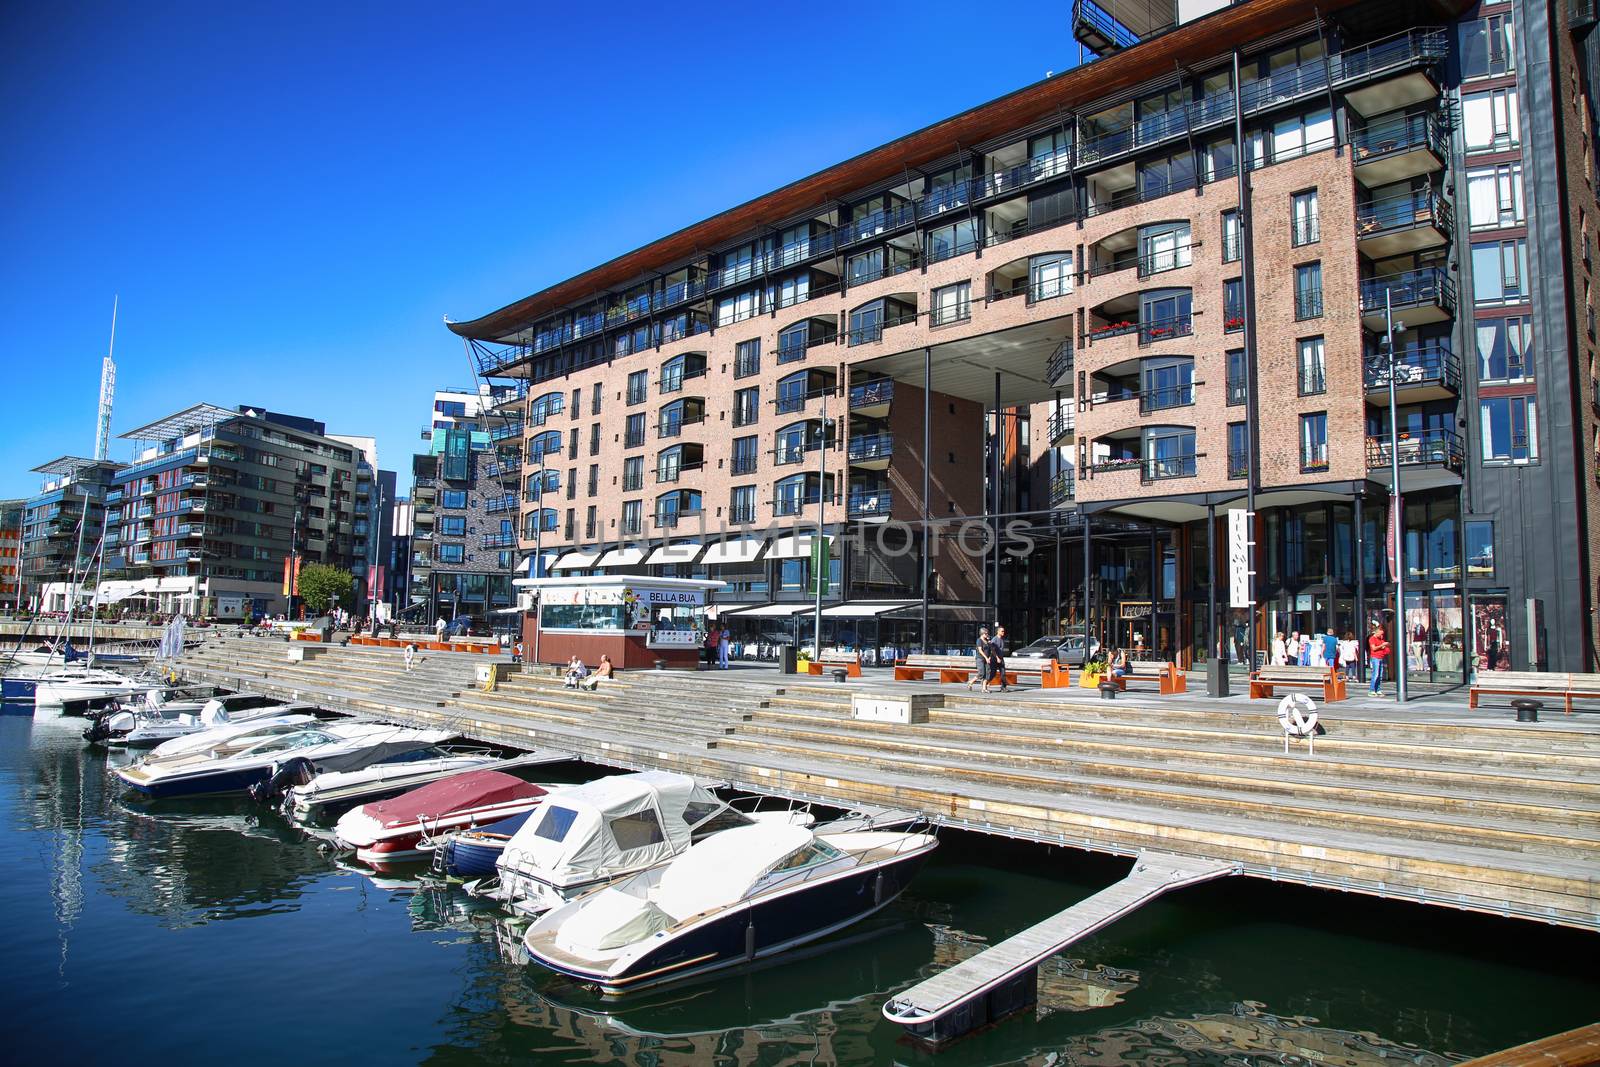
column 159, row 718
column 474, row 854
column 396, row 829
column 380, row 781
column 237, row 736
column 70, row 684
column 230, row 768
column 591, row 834
column 737, row 896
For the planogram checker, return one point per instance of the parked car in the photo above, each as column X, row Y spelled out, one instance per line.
column 1067, row 649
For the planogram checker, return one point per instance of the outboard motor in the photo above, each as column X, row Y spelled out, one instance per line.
column 292, row 772
column 98, row 730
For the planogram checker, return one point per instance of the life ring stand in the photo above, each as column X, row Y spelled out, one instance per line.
column 1297, row 714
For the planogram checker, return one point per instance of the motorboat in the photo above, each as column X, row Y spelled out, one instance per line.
column 238, row 764
column 159, row 717
column 735, row 897
column 238, row 735
column 587, row 835
column 380, row 781
column 396, row 829
column 475, row 853
column 72, row 684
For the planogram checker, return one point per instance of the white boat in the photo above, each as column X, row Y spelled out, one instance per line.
column 237, row 735
column 587, row 835
column 381, row 780
column 156, row 719
column 83, row 683
column 316, row 748
column 737, row 896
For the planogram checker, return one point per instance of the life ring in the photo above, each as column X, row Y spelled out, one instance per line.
column 1297, row 715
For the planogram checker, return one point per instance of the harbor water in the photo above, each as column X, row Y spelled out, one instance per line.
column 216, row 932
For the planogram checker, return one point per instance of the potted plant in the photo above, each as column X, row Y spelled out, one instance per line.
column 1094, row 669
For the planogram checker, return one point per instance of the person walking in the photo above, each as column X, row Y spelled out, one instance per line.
column 1378, row 652
column 439, row 626
column 411, row 654
column 1330, row 648
column 1349, row 655
column 999, row 660
column 724, row 642
column 980, row 661
column 1280, row 650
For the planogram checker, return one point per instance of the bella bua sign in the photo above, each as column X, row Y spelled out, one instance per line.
column 642, row 595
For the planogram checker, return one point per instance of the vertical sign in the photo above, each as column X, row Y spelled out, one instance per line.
column 1239, row 574
column 287, row 564
column 1396, row 504
column 819, row 565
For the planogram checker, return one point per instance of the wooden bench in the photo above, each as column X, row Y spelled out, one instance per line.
column 950, row 668
column 1052, row 675
column 1166, row 675
column 838, row 659
column 1327, row 679
column 1535, row 684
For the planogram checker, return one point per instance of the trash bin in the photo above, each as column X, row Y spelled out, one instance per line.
column 786, row 658
column 1216, row 677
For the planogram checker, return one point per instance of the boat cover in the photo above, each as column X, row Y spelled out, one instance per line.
column 460, row 792
column 611, row 825
column 721, row 869
column 609, row 920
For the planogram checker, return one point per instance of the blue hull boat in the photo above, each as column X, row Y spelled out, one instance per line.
column 475, row 853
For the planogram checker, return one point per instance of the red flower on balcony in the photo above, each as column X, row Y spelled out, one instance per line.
column 1235, row 323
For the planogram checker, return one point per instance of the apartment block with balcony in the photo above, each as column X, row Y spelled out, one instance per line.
column 62, row 527
column 216, row 501
column 1104, row 307
column 11, row 595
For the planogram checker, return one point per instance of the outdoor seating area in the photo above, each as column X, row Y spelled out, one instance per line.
column 1167, row 677
column 836, row 659
column 1264, row 681
column 1536, row 684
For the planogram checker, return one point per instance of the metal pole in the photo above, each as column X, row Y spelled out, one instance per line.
column 1247, row 282
column 72, row 595
column 994, row 546
column 1213, row 630
column 927, row 461
column 1361, row 588
column 538, row 559
column 1397, row 512
column 819, row 578
column 1088, row 562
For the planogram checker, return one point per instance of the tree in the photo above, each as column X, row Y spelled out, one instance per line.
column 323, row 587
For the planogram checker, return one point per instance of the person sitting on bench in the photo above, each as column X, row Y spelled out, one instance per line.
column 576, row 672
column 1120, row 666
column 605, row 670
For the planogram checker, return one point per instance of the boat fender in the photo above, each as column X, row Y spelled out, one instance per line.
column 296, row 771
column 1298, row 715
column 750, row 941
column 877, row 891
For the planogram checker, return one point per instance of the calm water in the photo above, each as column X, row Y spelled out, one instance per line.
column 214, row 932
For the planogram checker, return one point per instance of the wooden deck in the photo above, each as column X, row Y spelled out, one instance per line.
column 1575, row 1048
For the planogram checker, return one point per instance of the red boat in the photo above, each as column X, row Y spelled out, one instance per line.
column 395, row 829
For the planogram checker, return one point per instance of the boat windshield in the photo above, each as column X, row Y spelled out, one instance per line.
column 303, row 739
column 816, row 852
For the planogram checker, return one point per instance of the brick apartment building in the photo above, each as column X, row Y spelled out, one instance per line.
column 1072, row 316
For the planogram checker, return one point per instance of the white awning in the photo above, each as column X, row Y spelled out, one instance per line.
column 768, row 610
column 682, row 552
column 795, row 546
column 576, row 561
column 737, row 550
column 867, row 609
column 621, row 557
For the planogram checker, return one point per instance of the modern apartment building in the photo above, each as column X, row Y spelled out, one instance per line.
column 62, row 526
column 217, row 500
column 464, row 505
column 1103, row 312
column 11, row 512
column 372, row 496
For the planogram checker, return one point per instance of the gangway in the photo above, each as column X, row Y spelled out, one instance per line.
column 1003, row 979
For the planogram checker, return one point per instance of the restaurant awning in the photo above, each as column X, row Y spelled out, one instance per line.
column 576, row 560
column 867, row 609
column 794, row 546
column 735, row 550
column 681, row 552
column 769, row 611
column 621, row 557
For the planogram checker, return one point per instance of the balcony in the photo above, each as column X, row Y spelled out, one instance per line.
column 1061, row 424
column 1163, row 398
column 506, row 432
column 742, row 514
column 669, row 473
column 1427, row 448
column 501, row 540
column 869, row 504
column 1429, row 372
column 794, row 503
column 1394, row 148
column 1059, row 366
column 495, row 505
column 670, row 518
column 1398, row 225
column 1396, row 71
column 872, row 332
column 872, row 399
column 1426, row 295
column 871, row 451
column 1063, row 488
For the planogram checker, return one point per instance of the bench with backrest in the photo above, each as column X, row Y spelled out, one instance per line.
column 1052, row 675
column 1168, row 678
column 1327, row 679
column 836, row 659
column 1548, row 684
column 948, row 668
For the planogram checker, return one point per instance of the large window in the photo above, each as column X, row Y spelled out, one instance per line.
column 1314, row 442
column 956, row 239
column 638, row 386
column 745, row 453
column 453, row 498
column 1490, row 120
column 793, row 392
column 1236, row 377
column 1308, row 291
column 747, row 358
column 746, row 406
column 1503, row 347
column 1500, row 272
column 450, row 553
column 1313, row 366
column 632, row 474
column 1169, row 453
column 951, row 303
column 1232, row 239
column 581, row 616
column 453, row 525
column 1164, row 246
column 742, row 504
column 1509, row 427
column 1487, row 47
column 1049, row 276
column 1306, row 225
column 633, row 433
column 632, row 523
column 1494, row 196
column 1233, row 305
column 1238, row 449
column 1299, row 134
column 791, row 443
column 866, row 323
column 1480, row 547
column 1168, row 383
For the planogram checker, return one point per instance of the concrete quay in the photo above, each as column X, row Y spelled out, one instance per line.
column 1432, row 803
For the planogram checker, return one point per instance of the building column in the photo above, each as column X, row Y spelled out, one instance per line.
column 1361, row 589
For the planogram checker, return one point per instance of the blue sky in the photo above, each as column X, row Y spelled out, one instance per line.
column 289, row 199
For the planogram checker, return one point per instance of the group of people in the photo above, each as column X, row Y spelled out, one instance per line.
column 580, row 677
column 1329, row 650
column 716, row 647
column 989, row 659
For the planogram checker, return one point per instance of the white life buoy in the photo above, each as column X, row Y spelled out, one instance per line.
column 1297, row 715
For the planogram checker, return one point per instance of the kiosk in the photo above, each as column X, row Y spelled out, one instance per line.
column 633, row 619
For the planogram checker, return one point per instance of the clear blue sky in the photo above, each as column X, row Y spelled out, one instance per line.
column 290, row 197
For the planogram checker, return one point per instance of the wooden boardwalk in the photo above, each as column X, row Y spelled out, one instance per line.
column 981, row 989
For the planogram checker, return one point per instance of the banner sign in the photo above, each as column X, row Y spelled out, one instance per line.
column 819, row 565
column 1239, row 574
column 1392, row 538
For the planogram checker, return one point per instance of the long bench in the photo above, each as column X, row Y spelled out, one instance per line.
column 1327, row 679
column 1166, row 675
column 425, row 644
column 958, row 669
column 1568, row 687
column 838, row 659
column 1052, row 675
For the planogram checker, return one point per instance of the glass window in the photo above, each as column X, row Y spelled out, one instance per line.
column 1049, row 276
column 956, row 239
column 1167, row 383
column 631, row 521
column 1238, row 449
column 453, row 498
column 1314, row 441
column 633, row 435
column 1297, row 135
column 745, row 454
column 1487, row 47
column 1164, row 247
column 450, row 553
column 1500, row 272
column 594, row 399
column 453, row 525
column 1494, row 196
column 864, row 266
column 746, row 406
column 554, row 822
column 1304, row 221
column 1313, row 366
column 638, row 386
column 1308, row 291
column 581, row 616
column 1503, row 349
column 1233, row 305
column 742, row 504
column 866, row 323
column 1232, row 248
column 632, row 474
column 1509, row 426
column 1480, row 548
column 747, row 358
column 951, row 303
column 1490, row 120
column 547, row 443
column 637, row 830
column 1236, row 377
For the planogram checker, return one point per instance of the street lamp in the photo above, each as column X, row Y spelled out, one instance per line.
column 1396, row 504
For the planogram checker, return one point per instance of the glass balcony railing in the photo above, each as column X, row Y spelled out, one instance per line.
column 872, row 393
column 868, row 503
column 1430, row 364
column 871, row 446
column 1426, row 286
column 1063, row 487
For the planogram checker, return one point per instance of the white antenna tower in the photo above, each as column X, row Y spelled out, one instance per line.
column 108, row 390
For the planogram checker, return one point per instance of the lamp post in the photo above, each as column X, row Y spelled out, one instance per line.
column 538, row 556
column 1396, row 504
column 819, row 560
